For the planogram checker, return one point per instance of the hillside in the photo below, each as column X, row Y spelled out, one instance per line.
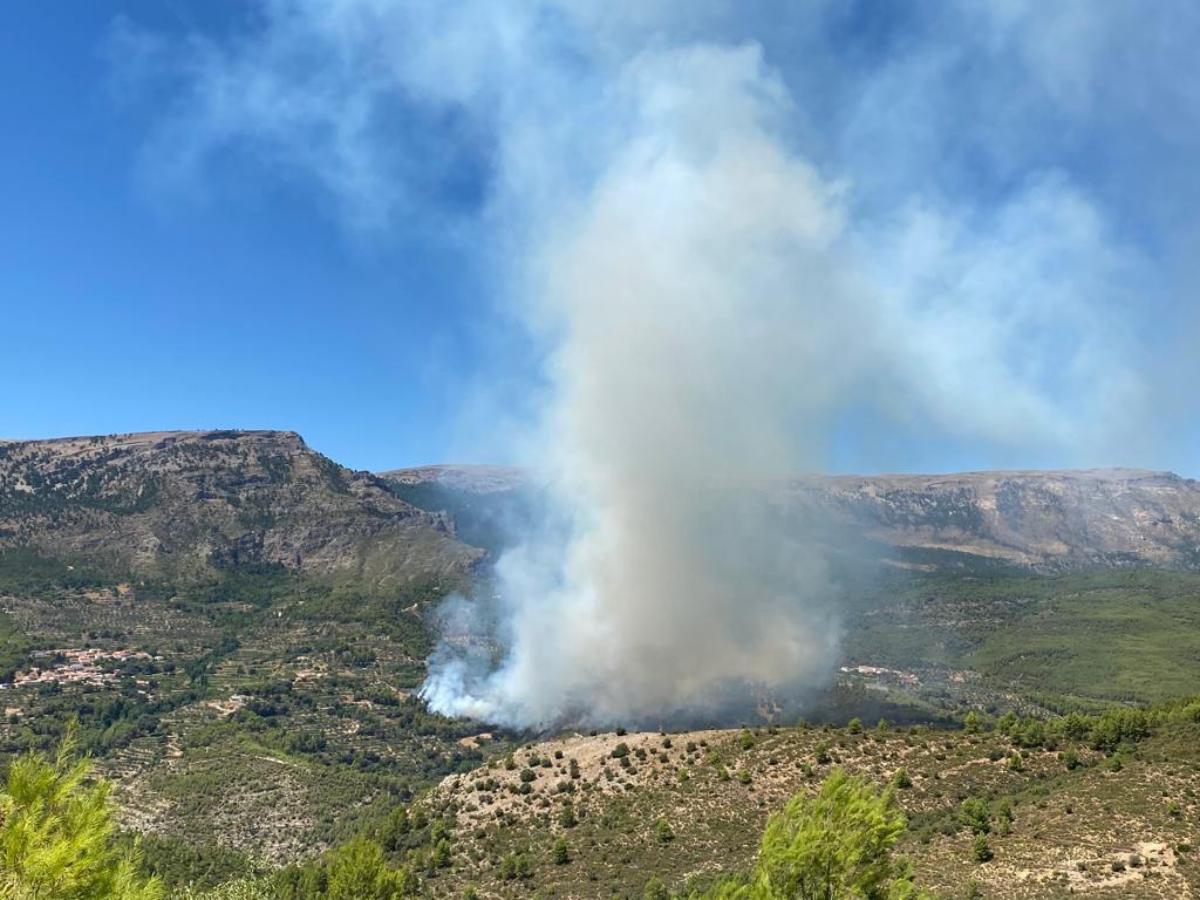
column 236, row 622
column 240, row 626
column 184, row 503
column 1068, row 808
column 1043, row 520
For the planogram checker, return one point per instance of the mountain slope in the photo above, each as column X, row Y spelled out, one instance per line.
column 1046, row 520
column 1050, row 519
column 181, row 503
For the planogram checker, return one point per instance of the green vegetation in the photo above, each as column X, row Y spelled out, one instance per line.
column 57, row 835
column 356, row 871
column 1074, row 640
column 260, row 716
column 836, row 844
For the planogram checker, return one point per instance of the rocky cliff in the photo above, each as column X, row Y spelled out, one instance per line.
column 1046, row 519
column 180, row 503
column 1037, row 519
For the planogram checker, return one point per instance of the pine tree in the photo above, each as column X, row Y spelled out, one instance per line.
column 57, row 834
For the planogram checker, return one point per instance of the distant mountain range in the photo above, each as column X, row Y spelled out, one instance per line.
column 182, row 503
column 1044, row 520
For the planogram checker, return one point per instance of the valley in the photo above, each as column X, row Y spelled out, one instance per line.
column 239, row 627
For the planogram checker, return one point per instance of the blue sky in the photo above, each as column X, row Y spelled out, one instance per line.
column 236, row 304
column 305, row 215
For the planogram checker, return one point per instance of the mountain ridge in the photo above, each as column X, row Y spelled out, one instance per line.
column 193, row 501
column 185, row 502
column 1041, row 519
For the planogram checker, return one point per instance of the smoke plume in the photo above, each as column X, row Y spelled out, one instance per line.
column 692, row 360
column 736, row 234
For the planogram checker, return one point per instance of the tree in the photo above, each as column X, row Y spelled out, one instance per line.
column 981, row 850
column 975, row 814
column 828, row 847
column 395, row 830
column 561, row 854
column 358, row 871
column 57, row 834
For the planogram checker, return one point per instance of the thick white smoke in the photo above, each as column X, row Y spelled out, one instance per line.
column 719, row 262
column 704, row 328
column 710, row 309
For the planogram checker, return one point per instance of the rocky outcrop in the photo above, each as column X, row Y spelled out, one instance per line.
column 179, row 503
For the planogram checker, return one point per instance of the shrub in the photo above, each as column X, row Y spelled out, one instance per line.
column 1029, row 733
column 560, row 853
column 656, row 890
column 981, row 850
column 1002, row 813
column 662, row 831
column 566, row 816
column 855, row 726
column 516, row 865
column 974, row 813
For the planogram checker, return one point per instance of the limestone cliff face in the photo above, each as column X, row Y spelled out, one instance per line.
column 178, row 503
column 1040, row 519
column 1050, row 519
